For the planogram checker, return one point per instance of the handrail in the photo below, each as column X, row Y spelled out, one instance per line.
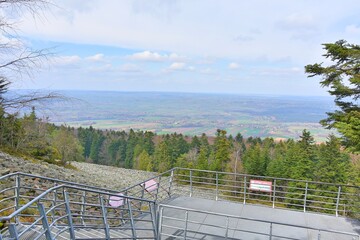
column 54, row 180
column 260, row 176
column 139, row 183
column 339, row 199
column 39, row 197
column 162, row 206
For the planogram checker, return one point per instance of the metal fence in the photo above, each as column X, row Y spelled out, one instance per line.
column 71, row 212
column 186, row 223
column 35, row 207
column 158, row 188
column 17, row 189
column 300, row 195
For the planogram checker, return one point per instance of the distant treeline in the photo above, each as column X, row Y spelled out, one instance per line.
column 302, row 159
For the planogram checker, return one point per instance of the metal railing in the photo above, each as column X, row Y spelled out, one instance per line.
column 307, row 196
column 160, row 187
column 186, row 223
column 37, row 207
column 16, row 189
column 71, row 212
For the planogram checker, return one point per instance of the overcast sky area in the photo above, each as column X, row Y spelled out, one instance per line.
column 223, row 46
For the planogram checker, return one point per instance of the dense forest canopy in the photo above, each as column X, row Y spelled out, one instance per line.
column 299, row 159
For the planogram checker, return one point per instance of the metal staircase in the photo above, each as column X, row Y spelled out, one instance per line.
column 35, row 207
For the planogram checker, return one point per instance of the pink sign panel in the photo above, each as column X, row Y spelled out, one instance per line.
column 262, row 186
column 150, row 185
column 117, row 201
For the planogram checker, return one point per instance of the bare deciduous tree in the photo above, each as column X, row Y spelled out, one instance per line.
column 17, row 60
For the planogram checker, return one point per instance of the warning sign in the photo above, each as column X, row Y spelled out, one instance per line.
column 262, row 186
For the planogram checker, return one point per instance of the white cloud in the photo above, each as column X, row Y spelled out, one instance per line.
column 66, row 60
column 173, row 29
column 233, row 66
column 155, row 57
column 352, row 29
column 177, row 66
column 96, row 58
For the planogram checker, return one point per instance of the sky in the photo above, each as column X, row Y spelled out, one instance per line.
column 206, row 46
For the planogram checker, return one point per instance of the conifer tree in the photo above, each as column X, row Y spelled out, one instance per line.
column 343, row 79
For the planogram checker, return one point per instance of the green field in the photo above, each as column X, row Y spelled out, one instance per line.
column 194, row 114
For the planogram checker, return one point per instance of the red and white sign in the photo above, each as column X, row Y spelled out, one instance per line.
column 262, row 186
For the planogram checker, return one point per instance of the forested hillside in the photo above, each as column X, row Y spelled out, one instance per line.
column 299, row 159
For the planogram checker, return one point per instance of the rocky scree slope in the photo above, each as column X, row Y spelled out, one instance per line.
column 86, row 173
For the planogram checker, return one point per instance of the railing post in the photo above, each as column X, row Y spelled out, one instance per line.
column 274, row 193
column 217, row 186
column 152, row 208
column 305, row 196
column 44, row 221
column 171, row 182
column 69, row 217
column 17, row 195
column 270, row 237
column 157, row 189
column 186, row 224
column 319, row 235
column 338, row 201
column 159, row 222
column 54, row 202
column 227, row 228
column 83, row 207
column 191, row 183
column 104, row 217
column 133, row 230
column 244, row 189
column 13, row 231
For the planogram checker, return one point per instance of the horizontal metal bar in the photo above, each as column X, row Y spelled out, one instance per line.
column 265, row 177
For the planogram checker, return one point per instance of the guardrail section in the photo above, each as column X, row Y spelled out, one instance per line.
column 71, row 212
column 300, row 195
column 17, row 189
column 186, row 223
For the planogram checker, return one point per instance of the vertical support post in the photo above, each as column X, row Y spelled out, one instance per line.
column 244, row 189
column 274, row 194
column 191, row 183
column 159, row 222
column 13, row 231
column 69, row 217
column 153, row 218
column 305, row 196
column 44, row 221
column 319, row 235
column 227, row 228
column 186, row 224
column 157, row 189
column 54, row 202
column 17, row 195
column 104, row 217
column 217, row 186
column 338, row 201
column 171, row 182
column 142, row 195
column 83, row 207
column 270, row 237
column 133, row 230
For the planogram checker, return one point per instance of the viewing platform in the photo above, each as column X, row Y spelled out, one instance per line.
column 179, row 204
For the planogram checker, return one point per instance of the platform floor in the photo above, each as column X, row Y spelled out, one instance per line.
column 200, row 231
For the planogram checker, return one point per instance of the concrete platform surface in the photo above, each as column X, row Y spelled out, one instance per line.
column 208, row 226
